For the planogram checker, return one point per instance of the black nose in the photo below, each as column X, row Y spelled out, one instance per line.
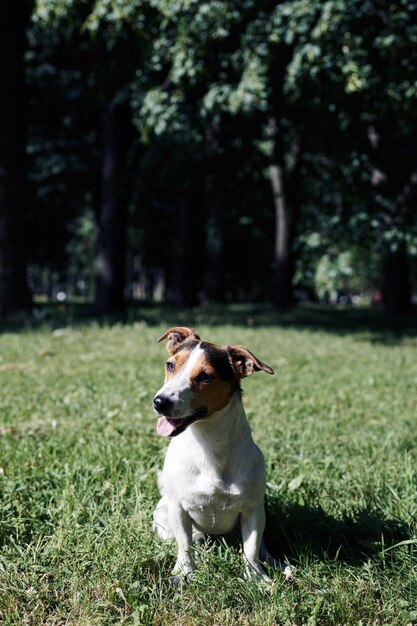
column 162, row 405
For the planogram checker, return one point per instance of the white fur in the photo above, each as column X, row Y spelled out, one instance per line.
column 213, row 477
column 177, row 387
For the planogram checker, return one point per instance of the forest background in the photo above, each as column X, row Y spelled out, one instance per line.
column 193, row 152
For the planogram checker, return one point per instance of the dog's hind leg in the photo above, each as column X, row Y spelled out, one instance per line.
column 162, row 527
column 161, row 520
column 268, row 559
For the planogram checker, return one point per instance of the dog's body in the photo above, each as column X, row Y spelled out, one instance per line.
column 213, row 473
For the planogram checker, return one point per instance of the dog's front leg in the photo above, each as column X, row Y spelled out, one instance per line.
column 181, row 526
column 253, row 525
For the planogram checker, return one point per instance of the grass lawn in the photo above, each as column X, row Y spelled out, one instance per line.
column 79, row 453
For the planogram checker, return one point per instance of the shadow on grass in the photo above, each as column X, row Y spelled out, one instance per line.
column 296, row 532
column 375, row 324
column 299, row 529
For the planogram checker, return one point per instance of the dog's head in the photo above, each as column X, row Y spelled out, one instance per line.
column 200, row 379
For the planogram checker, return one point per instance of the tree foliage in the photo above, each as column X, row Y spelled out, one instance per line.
column 216, row 142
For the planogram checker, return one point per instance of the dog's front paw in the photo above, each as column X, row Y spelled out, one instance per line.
column 177, row 580
column 181, row 574
column 254, row 572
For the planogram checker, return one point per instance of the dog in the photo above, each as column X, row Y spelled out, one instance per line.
column 214, row 473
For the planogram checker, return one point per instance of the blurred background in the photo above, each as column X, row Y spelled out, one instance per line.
column 191, row 152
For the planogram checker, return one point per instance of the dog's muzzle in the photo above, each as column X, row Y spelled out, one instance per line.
column 162, row 405
column 173, row 426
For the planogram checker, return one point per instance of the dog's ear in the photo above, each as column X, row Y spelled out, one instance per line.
column 177, row 335
column 245, row 363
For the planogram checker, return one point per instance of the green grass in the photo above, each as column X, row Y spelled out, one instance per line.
column 79, row 453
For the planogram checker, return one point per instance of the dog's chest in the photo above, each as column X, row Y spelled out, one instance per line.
column 214, row 503
column 213, row 485
column 208, row 490
column 200, row 483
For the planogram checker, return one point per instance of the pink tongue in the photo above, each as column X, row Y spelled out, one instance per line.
column 166, row 426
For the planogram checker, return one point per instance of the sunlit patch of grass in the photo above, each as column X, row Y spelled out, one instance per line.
column 78, row 461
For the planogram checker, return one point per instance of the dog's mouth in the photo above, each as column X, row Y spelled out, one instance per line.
column 173, row 426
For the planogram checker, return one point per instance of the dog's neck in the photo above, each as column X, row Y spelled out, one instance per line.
column 216, row 436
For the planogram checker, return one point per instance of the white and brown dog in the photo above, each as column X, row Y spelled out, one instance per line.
column 213, row 473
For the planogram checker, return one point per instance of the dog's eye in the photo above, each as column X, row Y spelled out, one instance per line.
column 203, row 377
column 169, row 366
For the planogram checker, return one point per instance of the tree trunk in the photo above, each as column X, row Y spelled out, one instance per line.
column 214, row 273
column 214, row 283
column 396, row 282
column 111, row 262
column 14, row 292
column 186, row 264
column 283, row 255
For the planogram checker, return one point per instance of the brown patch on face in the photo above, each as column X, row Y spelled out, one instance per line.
column 214, row 396
column 179, row 360
column 211, row 392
